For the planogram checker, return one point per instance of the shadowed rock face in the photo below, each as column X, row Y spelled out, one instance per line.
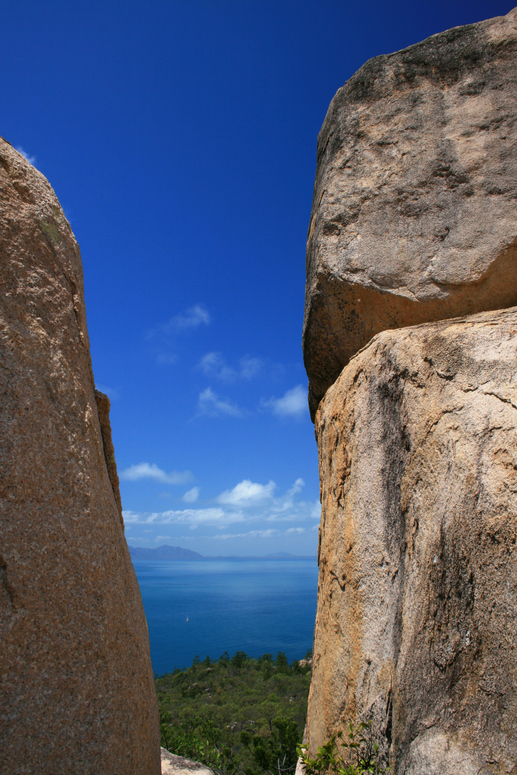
column 103, row 410
column 414, row 215
column 76, row 681
column 417, row 598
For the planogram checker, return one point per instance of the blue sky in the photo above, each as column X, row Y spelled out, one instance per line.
column 180, row 138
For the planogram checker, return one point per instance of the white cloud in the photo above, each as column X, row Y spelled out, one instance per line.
column 151, row 471
column 211, row 405
column 286, row 509
column 214, row 365
column 249, row 366
column 292, row 404
column 247, row 492
column 252, row 504
column 193, row 317
column 289, row 511
column 296, row 488
column 30, row 159
column 215, row 516
column 191, row 496
column 252, row 534
column 165, row 335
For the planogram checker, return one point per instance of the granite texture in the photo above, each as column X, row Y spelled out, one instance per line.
column 414, row 215
column 178, row 765
column 417, row 598
column 76, row 682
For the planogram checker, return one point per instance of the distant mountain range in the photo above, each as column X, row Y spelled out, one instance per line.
column 178, row 553
column 164, row 553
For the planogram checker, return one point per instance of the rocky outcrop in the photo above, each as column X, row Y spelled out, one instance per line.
column 414, row 215
column 417, row 598
column 414, row 221
column 76, row 681
column 178, row 765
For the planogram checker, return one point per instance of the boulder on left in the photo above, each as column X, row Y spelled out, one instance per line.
column 76, row 682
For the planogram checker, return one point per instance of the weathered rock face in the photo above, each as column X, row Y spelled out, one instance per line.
column 414, row 215
column 76, row 688
column 103, row 409
column 178, row 765
column 417, row 598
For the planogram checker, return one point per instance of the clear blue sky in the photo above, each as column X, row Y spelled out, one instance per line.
column 180, row 138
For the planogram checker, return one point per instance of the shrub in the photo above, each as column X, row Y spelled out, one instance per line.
column 357, row 755
column 205, row 708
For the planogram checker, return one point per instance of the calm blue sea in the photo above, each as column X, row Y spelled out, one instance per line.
column 256, row 606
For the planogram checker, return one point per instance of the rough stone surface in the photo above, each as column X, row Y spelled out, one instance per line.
column 178, row 765
column 76, row 683
column 417, row 598
column 414, row 215
column 103, row 410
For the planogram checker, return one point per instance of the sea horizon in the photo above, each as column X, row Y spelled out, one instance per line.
column 257, row 605
column 154, row 553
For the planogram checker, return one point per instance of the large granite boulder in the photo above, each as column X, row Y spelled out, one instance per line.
column 76, row 683
column 417, row 599
column 414, row 216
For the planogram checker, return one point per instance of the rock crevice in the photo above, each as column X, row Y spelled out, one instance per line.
column 103, row 408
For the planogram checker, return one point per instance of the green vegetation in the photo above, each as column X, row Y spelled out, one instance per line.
column 238, row 715
column 358, row 755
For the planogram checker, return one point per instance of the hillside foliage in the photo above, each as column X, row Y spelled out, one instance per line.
column 238, row 715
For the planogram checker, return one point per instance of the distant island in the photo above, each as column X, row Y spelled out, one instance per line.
column 178, row 553
column 164, row 553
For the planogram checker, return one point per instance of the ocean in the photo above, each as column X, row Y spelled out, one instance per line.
column 207, row 607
